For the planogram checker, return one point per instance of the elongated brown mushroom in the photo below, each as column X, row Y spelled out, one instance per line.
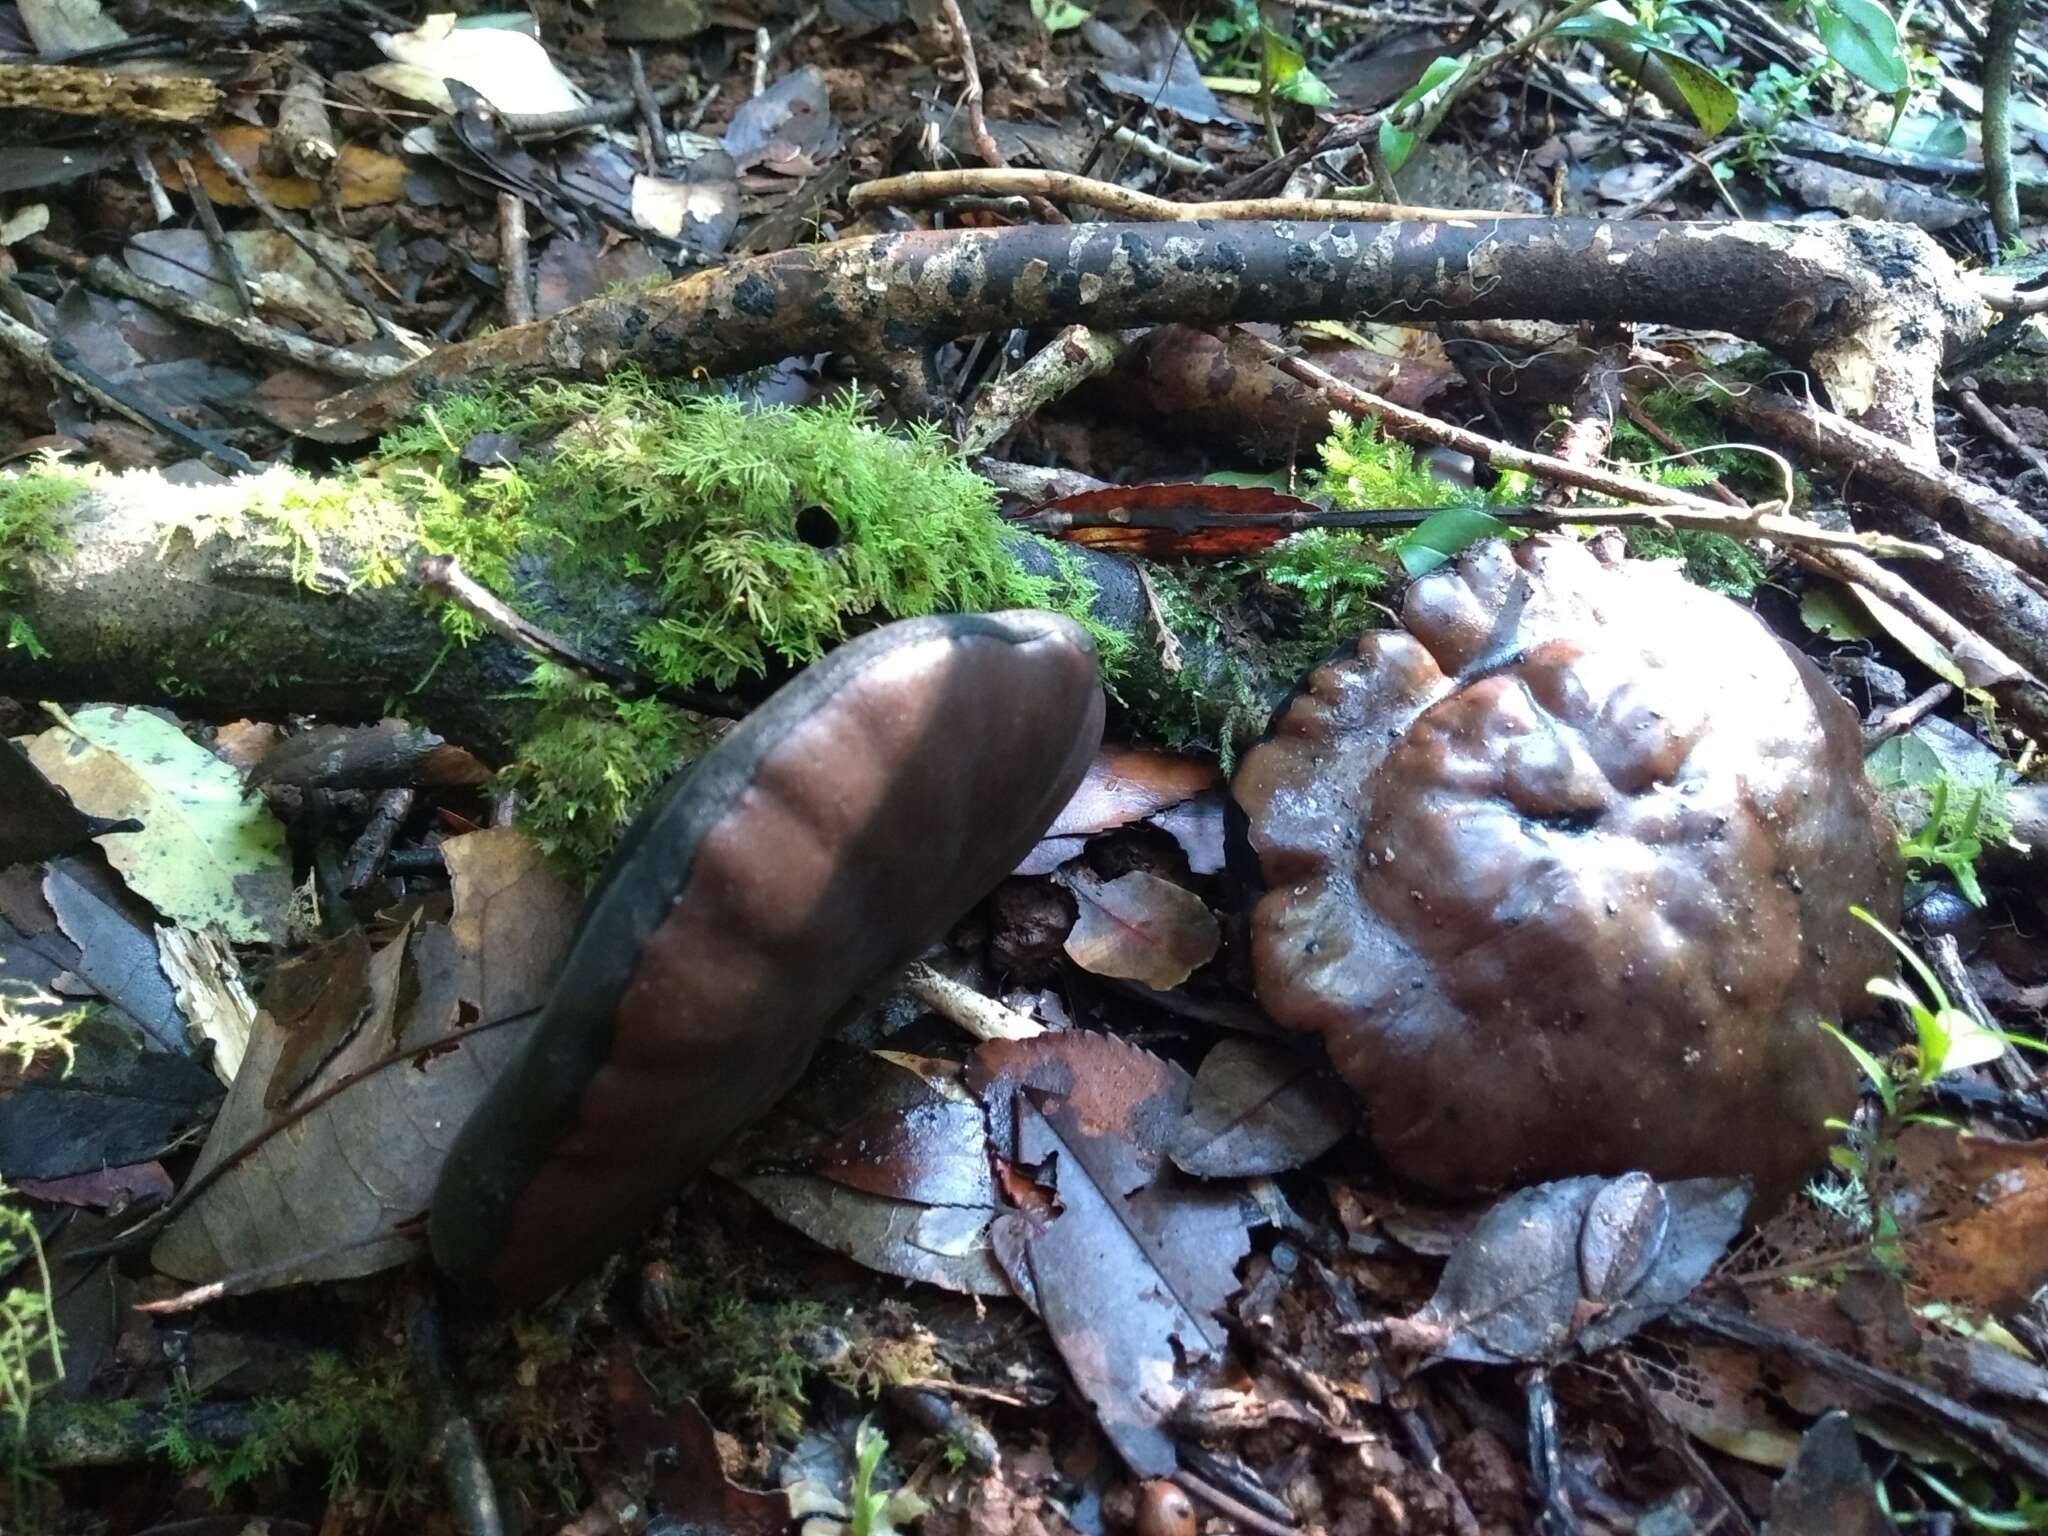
column 1561, row 872
column 822, row 843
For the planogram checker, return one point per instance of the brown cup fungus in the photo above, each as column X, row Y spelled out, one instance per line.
column 1561, row 871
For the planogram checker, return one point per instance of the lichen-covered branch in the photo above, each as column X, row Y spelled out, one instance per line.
column 1871, row 308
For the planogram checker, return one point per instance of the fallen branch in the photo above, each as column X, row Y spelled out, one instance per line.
column 1872, row 308
column 1870, row 461
column 918, row 187
column 1663, row 503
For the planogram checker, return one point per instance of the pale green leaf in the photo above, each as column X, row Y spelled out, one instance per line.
column 1443, row 534
column 1824, row 611
column 1861, row 36
column 205, row 854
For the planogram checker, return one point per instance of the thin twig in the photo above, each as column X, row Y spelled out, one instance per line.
column 650, row 113
column 1062, row 365
column 1992, row 1435
column 930, row 186
column 443, row 576
column 200, row 1183
column 60, row 360
column 1151, row 149
column 513, row 259
column 263, row 1276
column 260, row 335
column 346, row 281
column 1700, row 512
column 216, row 237
column 598, row 114
column 958, row 1004
column 145, row 167
column 977, row 122
column 1909, row 714
column 1971, row 404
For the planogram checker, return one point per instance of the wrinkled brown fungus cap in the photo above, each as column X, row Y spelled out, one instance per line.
column 825, row 841
column 1561, row 872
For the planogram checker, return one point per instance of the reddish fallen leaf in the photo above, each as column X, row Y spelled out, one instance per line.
column 1141, row 928
column 673, row 1459
column 1260, row 1108
column 935, row 1153
column 869, row 1157
column 1109, row 1083
column 1979, row 1236
column 1173, row 519
column 1127, row 784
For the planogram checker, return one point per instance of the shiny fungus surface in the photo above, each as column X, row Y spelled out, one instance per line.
column 1561, row 869
column 824, row 842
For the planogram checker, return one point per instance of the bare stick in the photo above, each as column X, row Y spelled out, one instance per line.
column 215, row 235
column 60, row 360
column 1074, row 356
column 445, row 578
column 1906, row 716
column 599, row 114
column 512, row 258
column 977, row 122
column 1997, row 1438
column 931, row 186
column 650, row 113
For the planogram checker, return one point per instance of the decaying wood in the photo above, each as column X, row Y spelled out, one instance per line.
column 80, row 92
column 171, row 594
column 1872, row 308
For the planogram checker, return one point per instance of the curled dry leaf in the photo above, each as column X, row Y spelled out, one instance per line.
column 1141, row 928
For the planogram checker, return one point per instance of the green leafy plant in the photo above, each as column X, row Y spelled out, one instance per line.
column 1863, row 39
column 1945, row 1039
column 31, row 1350
column 1058, row 15
column 1947, row 813
column 875, row 1511
column 344, row 1410
column 1397, row 135
column 1657, row 32
column 1245, row 53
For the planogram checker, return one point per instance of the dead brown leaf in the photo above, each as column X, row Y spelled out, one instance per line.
column 1141, row 928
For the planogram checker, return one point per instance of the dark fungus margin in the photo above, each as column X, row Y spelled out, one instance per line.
column 825, row 841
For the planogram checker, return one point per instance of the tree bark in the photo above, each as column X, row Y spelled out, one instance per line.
column 1872, row 308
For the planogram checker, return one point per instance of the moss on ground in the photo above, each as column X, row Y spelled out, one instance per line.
column 32, row 526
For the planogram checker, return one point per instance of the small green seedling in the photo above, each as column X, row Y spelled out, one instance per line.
column 1946, row 1039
